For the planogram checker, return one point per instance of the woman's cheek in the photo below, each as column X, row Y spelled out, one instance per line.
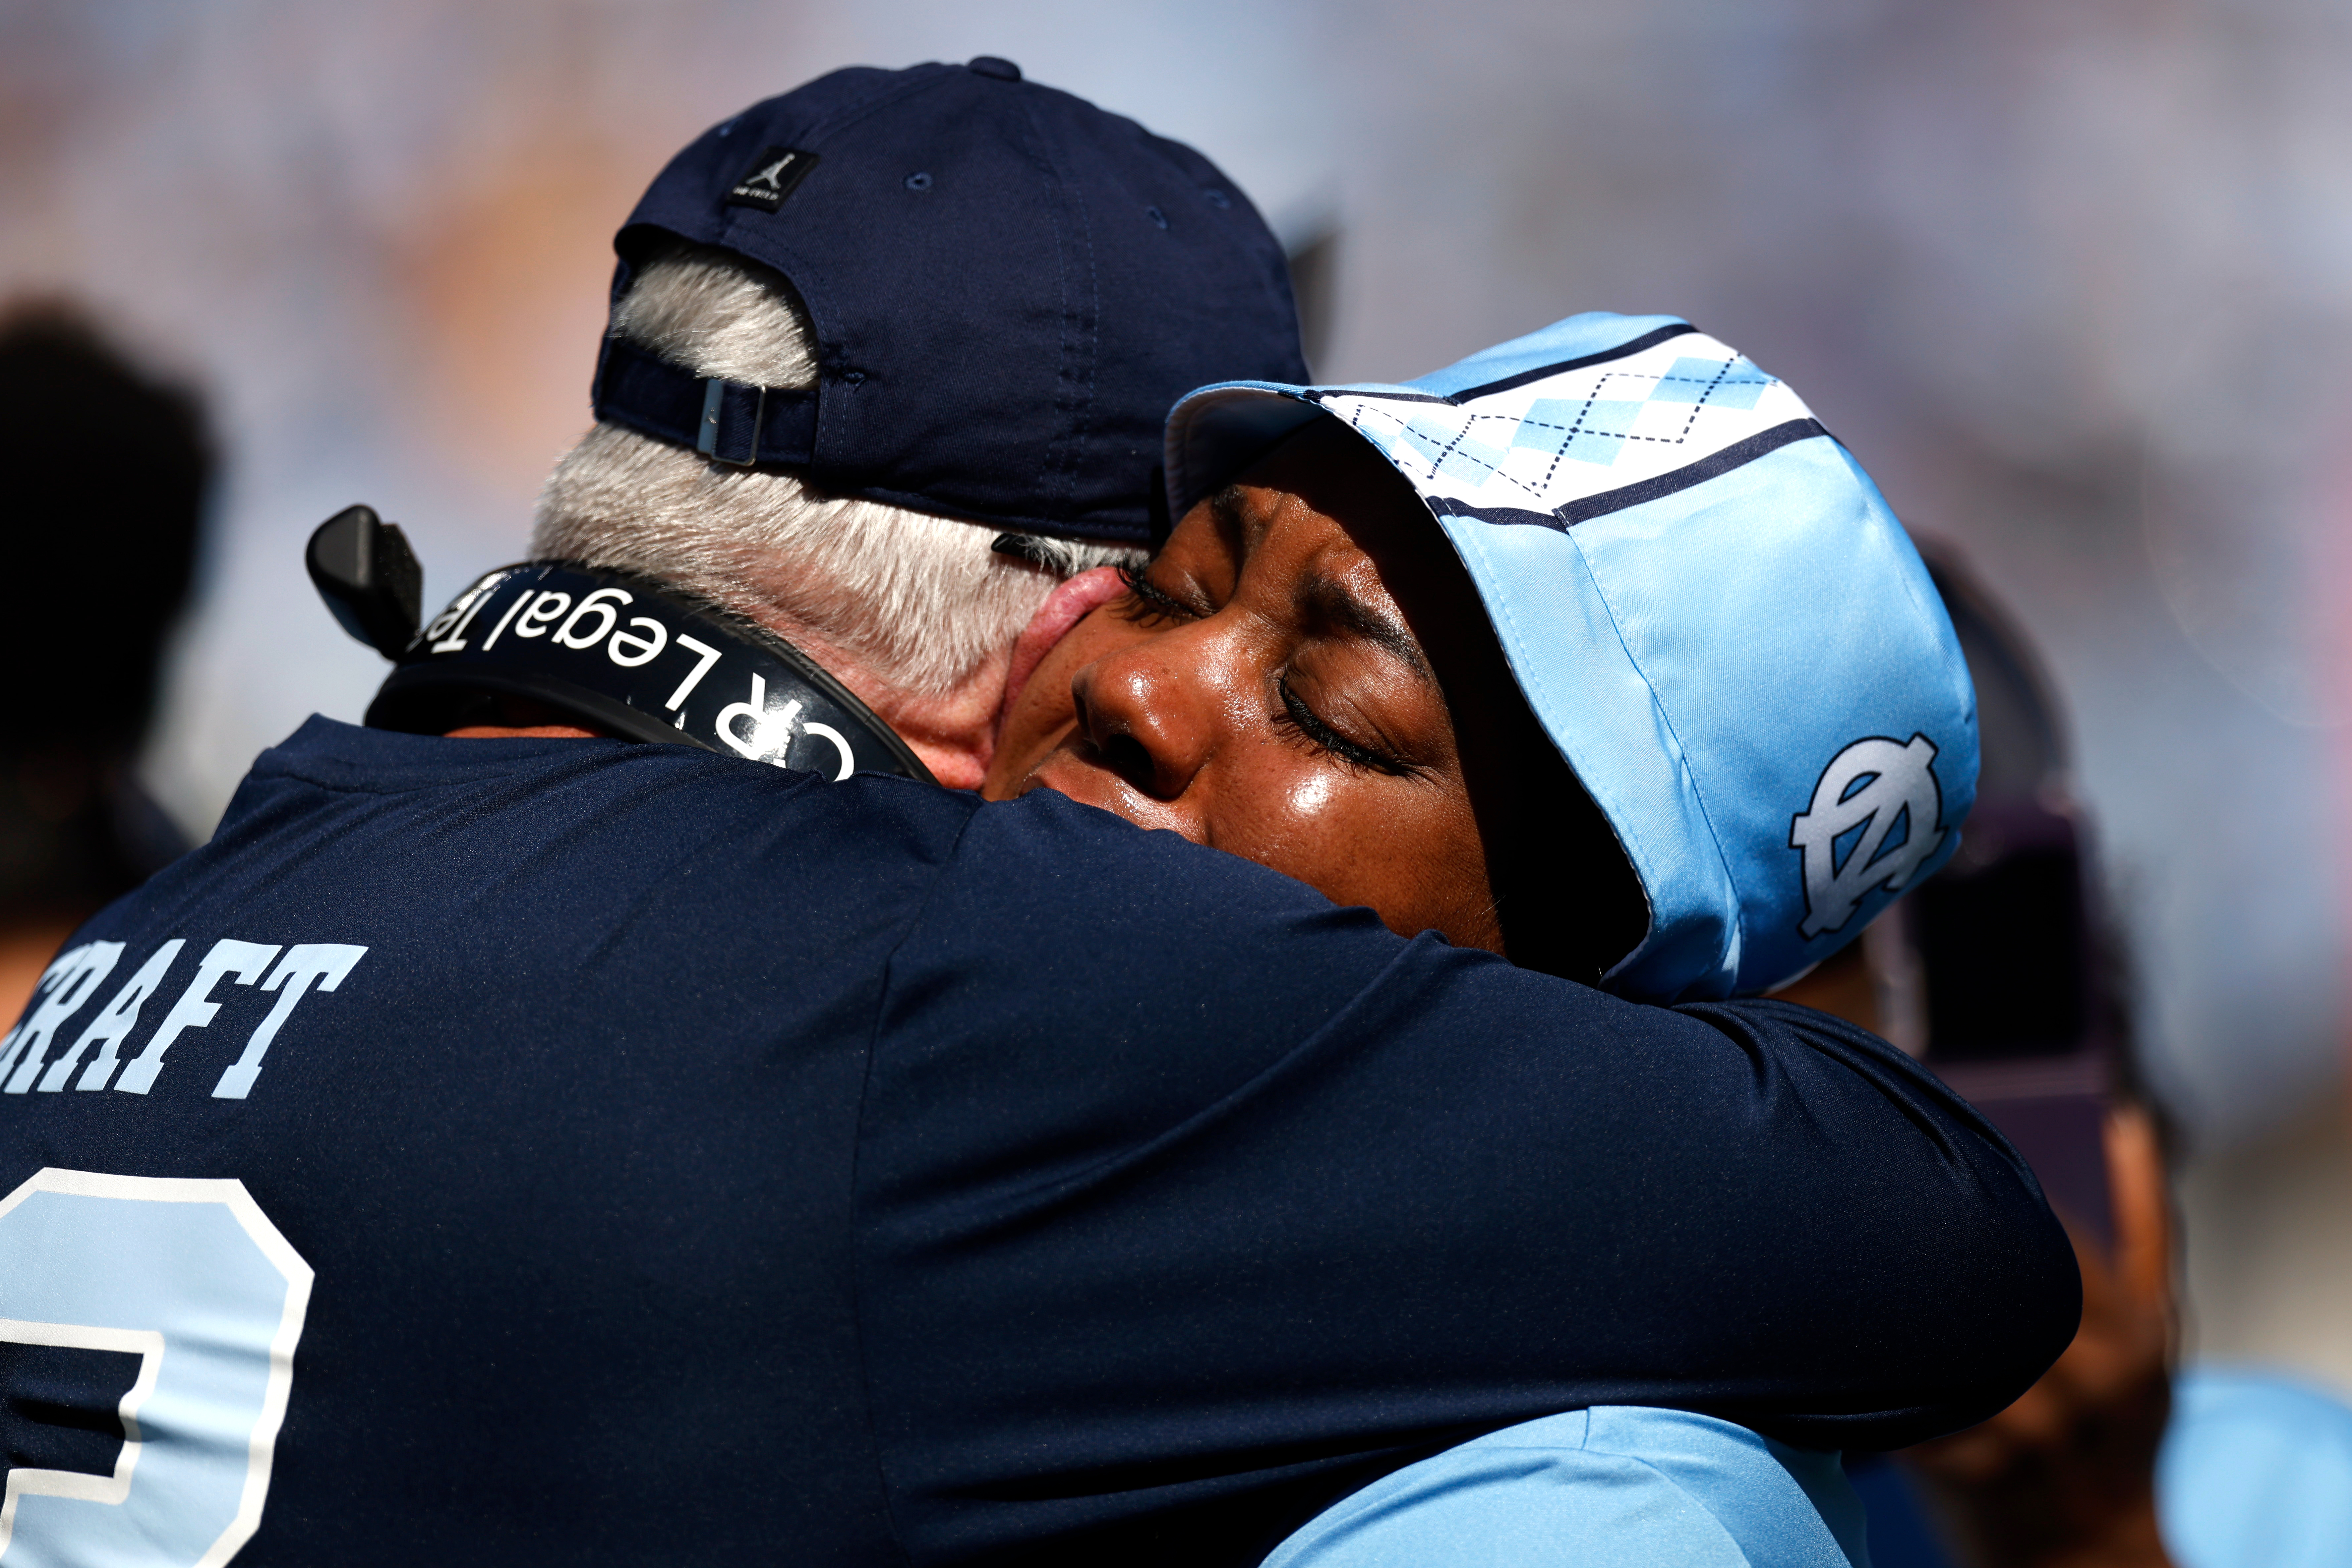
column 1310, row 796
column 1339, row 832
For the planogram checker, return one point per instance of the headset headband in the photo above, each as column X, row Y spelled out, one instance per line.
column 616, row 650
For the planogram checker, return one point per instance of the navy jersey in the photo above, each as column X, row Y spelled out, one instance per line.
column 517, row 1151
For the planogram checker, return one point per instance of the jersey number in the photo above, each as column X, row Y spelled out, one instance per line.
column 191, row 1277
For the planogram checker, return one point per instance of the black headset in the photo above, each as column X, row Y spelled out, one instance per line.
column 628, row 656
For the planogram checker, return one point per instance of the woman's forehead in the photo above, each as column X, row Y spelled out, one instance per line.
column 1326, row 478
column 1350, row 575
column 1324, row 566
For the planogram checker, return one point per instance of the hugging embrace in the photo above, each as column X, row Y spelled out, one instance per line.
column 799, row 1156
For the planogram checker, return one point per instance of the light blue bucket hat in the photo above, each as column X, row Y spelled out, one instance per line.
column 1707, row 606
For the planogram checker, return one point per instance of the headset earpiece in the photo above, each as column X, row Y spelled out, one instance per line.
column 364, row 568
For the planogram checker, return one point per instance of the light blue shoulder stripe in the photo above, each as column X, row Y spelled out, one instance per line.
column 1614, row 1487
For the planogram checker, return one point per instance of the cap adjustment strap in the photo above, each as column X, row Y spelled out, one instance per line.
column 729, row 422
column 725, row 431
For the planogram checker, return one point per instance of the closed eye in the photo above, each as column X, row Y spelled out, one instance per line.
column 1147, row 602
column 1297, row 719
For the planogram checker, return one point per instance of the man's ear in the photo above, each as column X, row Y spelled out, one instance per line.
column 954, row 732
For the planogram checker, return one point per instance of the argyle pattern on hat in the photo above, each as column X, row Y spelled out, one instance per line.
column 1562, row 443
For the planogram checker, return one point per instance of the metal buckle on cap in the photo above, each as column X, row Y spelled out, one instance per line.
column 714, row 400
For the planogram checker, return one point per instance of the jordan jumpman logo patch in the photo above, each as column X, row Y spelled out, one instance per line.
column 771, row 177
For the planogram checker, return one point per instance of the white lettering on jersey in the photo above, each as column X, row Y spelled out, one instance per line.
column 192, row 1278
column 72, row 980
column 64, row 987
column 114, row 1025
column 324, row 961
column 196, row 1008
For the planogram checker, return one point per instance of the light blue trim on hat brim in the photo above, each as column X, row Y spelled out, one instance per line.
column 1716, row 619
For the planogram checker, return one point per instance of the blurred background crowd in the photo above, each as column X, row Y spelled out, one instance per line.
column 2072, row 278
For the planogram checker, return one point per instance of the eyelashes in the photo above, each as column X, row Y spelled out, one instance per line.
column 1148, row 604
column 1297, row 719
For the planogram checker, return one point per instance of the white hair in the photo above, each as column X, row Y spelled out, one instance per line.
column 923, row 601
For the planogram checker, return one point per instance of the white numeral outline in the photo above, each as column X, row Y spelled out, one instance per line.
column 147, row 1344
column 153, row 1345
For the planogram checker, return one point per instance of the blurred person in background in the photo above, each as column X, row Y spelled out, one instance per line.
column 109, row 468
column 2002, row 972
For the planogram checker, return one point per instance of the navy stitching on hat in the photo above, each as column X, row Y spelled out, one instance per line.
column 1714, row 382
column 1576, row 429
column 1438, row 463
column 1054, row 453
column 1082, row 416
column 1074, row 397
column 1459, row 436
column 1594, row 396
column 1573, row 512
column 1724, row 369
column 1051, row 457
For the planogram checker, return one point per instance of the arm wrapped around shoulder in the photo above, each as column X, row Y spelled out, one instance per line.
column 1220, row 1192
column 1958, row 1288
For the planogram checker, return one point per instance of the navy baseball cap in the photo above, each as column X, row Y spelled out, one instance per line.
column 1708, row 608
column 1009, row 287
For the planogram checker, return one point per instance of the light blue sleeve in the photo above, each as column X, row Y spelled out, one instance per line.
column 2255, row 1472
column 1614, row 1487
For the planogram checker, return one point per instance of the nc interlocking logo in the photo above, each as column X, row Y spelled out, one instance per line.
column 1866, row 792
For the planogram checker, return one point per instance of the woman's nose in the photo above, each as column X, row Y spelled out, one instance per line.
column 1150, row 722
